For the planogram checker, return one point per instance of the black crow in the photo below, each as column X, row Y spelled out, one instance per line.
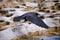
column 33, row 18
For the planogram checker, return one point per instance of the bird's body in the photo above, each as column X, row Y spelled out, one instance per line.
column 33, row 18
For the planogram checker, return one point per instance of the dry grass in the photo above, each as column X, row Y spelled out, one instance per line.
column 48, row 32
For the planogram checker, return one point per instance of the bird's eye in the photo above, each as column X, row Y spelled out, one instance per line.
column 14, row 29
